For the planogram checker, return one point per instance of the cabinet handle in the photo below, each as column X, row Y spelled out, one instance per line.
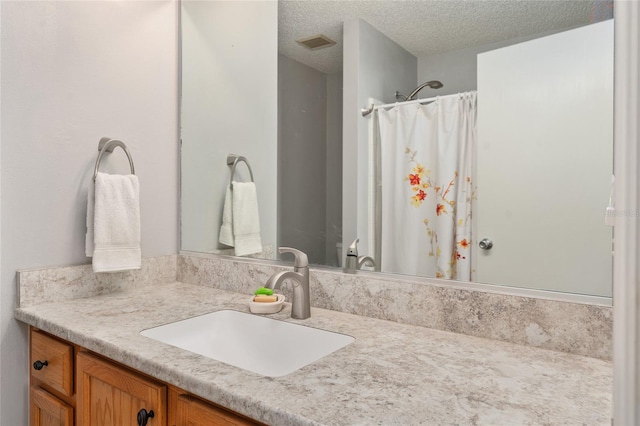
column 144, row 416
column 38, row 365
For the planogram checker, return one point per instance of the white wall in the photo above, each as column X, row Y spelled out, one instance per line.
column 73, row 72
column 374, row 66
column 457, row 69
column 229, row 105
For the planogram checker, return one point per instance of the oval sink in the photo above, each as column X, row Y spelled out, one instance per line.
column 262, row 345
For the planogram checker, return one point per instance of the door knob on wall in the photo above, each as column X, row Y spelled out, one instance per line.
column 485, row 244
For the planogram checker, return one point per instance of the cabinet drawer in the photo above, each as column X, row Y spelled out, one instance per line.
column 194, row 412
column 52, row 362
column 47, row 410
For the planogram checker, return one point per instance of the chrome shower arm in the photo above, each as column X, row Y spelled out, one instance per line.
column 434, row 84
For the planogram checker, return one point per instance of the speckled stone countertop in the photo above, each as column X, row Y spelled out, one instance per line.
column 392, row 374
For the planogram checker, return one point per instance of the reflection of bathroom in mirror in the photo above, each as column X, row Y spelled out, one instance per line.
column 526, row 100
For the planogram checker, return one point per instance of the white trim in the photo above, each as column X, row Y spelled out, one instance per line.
column 626, row 160
column 1, row 303
column 371, row 188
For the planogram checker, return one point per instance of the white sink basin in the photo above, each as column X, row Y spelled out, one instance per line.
column 265, row 346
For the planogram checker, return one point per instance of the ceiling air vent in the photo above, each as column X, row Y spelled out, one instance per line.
column 316, row 42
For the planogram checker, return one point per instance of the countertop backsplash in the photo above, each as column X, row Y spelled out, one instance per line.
column 37, row 286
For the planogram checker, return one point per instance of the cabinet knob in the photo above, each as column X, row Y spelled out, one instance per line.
column 144, row 416
column 38, row 365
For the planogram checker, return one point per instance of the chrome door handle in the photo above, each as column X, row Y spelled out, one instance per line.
column 485, row 244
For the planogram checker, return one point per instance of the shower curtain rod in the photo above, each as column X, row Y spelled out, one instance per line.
column 367, row 111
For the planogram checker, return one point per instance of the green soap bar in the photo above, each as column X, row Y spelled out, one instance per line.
column 265, row 291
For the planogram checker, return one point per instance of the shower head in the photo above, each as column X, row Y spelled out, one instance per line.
column 433, row 84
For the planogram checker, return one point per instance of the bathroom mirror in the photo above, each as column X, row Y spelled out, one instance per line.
column 251, row 88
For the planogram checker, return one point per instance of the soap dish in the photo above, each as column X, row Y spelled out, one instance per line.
column 266, row 307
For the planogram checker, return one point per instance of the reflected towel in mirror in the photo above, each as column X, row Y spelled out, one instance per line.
column 240, row 219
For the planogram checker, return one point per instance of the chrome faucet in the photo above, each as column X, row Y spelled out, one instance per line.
column 366, row 261
column 355, row 262
column 300, row 305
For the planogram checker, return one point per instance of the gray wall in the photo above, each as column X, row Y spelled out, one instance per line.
column 334, row 167
column 374, row 66
column 309, row 160
column 302, row 158
column 229, row 102
column 71, row 73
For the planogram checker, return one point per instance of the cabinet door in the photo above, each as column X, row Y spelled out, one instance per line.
column 109, row 395
column 193, row 412
column 46, row 410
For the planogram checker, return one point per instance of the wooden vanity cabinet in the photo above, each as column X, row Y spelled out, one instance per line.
column 51, row 381
column 70, row 385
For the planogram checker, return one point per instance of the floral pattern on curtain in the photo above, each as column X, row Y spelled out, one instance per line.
column 427, row 155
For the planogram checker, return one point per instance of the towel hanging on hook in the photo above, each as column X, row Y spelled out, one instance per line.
column 113, row 216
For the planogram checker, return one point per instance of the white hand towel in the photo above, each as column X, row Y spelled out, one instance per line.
column 226, row 230
column 246, row 220
column 88, row 241
column 116, row 223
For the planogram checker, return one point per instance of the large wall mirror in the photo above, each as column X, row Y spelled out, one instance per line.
column 499, row 173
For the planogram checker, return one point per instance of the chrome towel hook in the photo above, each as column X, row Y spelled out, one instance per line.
column 233, row 160
column 108, row 145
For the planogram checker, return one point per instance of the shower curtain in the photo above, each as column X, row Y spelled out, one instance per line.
column 427, row 187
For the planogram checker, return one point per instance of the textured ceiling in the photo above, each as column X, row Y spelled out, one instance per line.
column 426, row 27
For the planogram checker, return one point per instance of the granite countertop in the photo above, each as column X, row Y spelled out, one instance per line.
column 392, row 374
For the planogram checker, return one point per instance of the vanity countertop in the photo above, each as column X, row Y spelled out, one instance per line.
column 392, row 374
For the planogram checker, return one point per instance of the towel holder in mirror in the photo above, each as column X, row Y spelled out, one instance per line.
column 108, row 145
column 233, row 160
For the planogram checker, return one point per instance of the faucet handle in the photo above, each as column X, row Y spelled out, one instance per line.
column 353, row 248
column 301, row 259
